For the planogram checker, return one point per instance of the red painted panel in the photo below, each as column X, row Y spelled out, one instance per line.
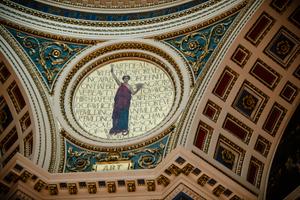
column 200, row 138
column 272, row 119
column 252, row 173
column 259, row 28
column 223, row 84
column 264, row 74
column 235, row 129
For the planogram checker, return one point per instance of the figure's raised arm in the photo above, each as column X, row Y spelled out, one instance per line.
column 114, row 76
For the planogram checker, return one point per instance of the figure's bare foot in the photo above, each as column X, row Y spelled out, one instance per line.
column 125, row 132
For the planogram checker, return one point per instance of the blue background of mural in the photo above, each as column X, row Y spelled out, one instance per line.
column 49, row 56
column 198, row 46
column 79, row 159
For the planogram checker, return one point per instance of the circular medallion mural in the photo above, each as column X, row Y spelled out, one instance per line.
column 123, row 99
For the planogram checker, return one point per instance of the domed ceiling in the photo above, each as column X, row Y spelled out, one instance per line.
column 203, row 89
column 117, row 5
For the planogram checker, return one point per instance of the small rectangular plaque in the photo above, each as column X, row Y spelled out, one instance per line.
column 113, row 166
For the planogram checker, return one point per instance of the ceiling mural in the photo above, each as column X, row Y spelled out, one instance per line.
column 126, row 96
column 79, row 159
column 135, row 99
column 49, row 56
column 162, row 99
column 198, row 46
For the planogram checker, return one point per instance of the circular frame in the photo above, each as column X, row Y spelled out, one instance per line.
column 146, row 50
column 96, row 112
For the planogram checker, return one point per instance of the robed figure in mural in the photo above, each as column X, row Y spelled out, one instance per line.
column 120, row 115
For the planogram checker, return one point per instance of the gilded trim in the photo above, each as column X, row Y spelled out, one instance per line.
column 136, row 22
column 68, row 136
column 203, row 24
column 33, row 73
column 107, row 59
column 201, row 77
column 34, row 33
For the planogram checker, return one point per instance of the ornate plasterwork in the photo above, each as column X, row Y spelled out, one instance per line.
column 200, row 26
column 120, row 5
column 39, row 44
column 106, row 19
column 152, row 97
column 78, row 159
column 186, row 130
column 156, row 146
column 198, row 46
column 151, row 51
column 39, row 33
column 144, row 27
column 43, row 35
column 43, row 117
column 211, row 66
column 49, row 56
column 113, row 33
column 175, row 174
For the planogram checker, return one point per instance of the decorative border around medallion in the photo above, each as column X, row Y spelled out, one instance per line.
column 144, row 50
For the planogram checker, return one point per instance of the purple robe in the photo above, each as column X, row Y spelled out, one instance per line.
column 120, row 114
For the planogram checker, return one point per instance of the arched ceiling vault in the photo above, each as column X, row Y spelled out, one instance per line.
column 110, row 6
column 213, row 87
